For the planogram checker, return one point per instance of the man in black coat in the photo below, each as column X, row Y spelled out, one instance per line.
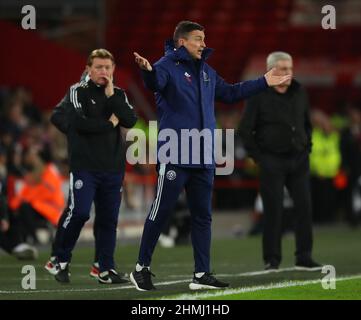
column 276, row 129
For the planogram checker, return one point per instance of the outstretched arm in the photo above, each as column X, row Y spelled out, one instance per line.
column 155, row 78
column 231, row 93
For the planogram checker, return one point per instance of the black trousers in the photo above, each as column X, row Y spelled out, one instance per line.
column 10, row 239
column 21, row 226
column 276, row 172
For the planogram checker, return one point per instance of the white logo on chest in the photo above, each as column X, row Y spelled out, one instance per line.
column 171, row 175
column 78, row 184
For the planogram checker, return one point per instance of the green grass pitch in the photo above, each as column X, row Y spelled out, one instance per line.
column 233, row 260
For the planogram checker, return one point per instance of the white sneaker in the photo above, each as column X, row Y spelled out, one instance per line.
column 166, row 241
column 24, row 251
column 52, row 266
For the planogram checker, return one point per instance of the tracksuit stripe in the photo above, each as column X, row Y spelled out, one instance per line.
column 74, row 95
column 127, row 101
column 156, row 202
column 72, row 203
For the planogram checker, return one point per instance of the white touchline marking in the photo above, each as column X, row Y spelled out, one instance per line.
column 88, row 289
column 245, row 274
column 190, row 296
column 248, row 274
column 226, row 292
column 41, row 266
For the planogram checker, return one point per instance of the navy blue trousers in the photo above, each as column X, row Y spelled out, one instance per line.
column 198, row 184
column 59, row 233
column 105, row 190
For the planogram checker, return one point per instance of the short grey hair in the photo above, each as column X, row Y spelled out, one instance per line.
column 273, row 57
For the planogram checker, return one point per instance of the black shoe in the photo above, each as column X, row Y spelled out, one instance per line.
column 308, row 265
column 142, row 279
column 207, row 281
column 63, row 274
column 271, row 266
column 112, row 277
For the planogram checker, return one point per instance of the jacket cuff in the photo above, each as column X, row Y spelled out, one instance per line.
column 149, row 76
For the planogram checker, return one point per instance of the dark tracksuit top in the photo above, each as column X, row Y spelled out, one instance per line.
column 93, row 143
column 97, row 162
column 185, row 92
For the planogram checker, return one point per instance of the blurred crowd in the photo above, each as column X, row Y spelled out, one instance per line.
column 33, row 165
column 335, row 166
column 34, row 171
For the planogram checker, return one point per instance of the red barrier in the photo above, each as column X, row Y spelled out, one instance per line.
column 46, row 68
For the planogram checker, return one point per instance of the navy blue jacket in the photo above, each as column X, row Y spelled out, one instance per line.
column 185, row 92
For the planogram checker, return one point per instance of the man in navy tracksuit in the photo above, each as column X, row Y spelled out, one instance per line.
column 60, row 119
column 185, row 89
column 97, row 162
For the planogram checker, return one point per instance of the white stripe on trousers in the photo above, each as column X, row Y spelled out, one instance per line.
column 72, row 203
column 156, row 202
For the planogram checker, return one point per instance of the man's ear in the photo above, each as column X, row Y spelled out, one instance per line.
column 180, row 42
column 87, row 69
